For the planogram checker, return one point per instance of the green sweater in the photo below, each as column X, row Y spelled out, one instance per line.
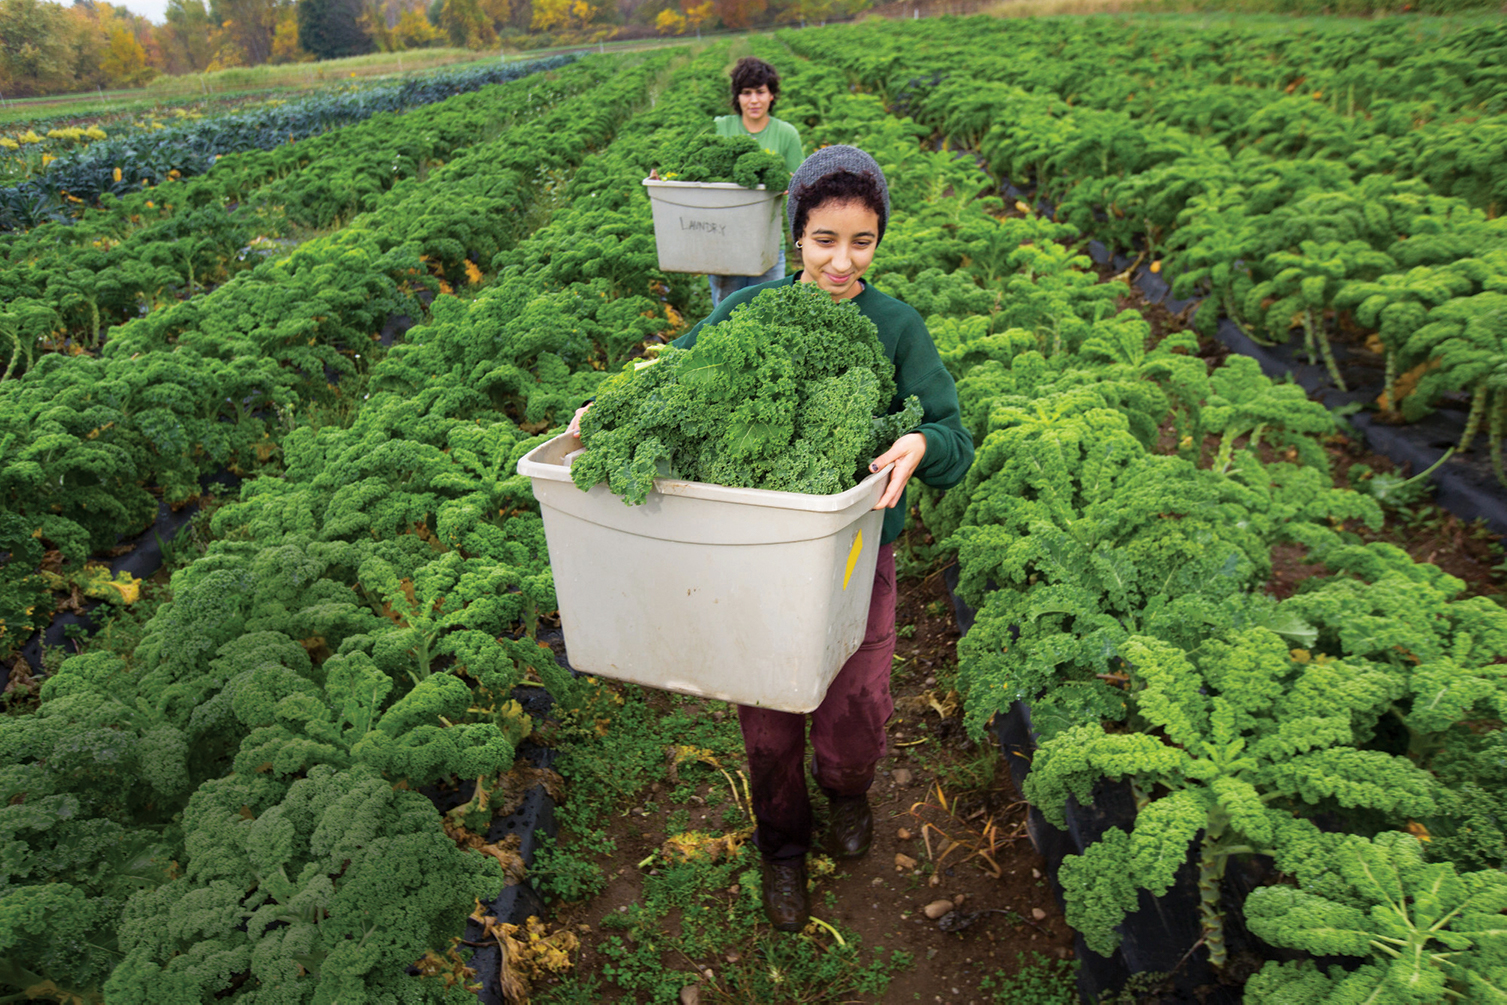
column 918, row 371
column 778, row 137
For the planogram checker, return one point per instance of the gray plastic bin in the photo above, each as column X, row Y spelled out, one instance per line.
column 744, row 595
column 715, row 227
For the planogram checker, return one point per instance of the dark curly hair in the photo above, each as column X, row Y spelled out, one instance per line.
column 752, row 73
column 839, row 187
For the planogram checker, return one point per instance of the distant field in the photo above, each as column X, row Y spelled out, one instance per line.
column 207, row 91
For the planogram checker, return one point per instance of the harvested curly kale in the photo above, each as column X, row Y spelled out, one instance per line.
column 738, row 159
column 789, row 393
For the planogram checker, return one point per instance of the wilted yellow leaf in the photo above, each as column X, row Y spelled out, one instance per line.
column 699, row 846
column 528, row 951
column 96, row 581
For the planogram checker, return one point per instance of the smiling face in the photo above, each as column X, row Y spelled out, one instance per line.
column 837, row 247
column 754, row 103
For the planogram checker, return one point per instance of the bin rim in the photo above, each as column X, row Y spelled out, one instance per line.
column 669, row 183
column 531, row 465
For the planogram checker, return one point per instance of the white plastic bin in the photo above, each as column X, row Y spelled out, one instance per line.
column 745, row 595
column 715, row 227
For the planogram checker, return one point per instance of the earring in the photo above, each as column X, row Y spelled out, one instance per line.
column 797, row 245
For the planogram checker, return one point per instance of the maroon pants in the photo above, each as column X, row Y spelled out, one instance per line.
column 847, row 733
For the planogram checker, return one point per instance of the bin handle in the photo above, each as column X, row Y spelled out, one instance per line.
column 736, row 205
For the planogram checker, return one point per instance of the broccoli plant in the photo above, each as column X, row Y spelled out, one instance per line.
column 1425, row 932
column 1235, row 736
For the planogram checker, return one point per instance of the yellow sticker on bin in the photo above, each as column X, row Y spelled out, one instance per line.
column 852, row 558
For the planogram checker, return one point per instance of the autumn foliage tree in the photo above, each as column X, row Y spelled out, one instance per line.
column 414, row 31
column 467, row 24
column 739, row 14
column 125, row 60
column 394, row 27
column 286, row 47
column 34, row 52
column 189, row 37
column 46, row 48
column 52, row 46
column 248, row 26
column 670, row 22
column 562, row 15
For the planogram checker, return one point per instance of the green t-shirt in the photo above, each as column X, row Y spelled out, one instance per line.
column 918, row 371
column 778, row 137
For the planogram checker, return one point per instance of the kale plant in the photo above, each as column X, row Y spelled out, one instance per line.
column 1426, row 932
column 790, row 393
column 711, row 158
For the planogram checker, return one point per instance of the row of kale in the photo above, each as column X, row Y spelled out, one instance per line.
column 149, row 157
column 443, row 408
column 1208, row 73
column 216, row 380
column 1120, row 584
column 229, row 809
column 64, row 284
column 1287, row 213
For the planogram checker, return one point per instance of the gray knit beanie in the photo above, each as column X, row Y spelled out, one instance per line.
column 831, row 160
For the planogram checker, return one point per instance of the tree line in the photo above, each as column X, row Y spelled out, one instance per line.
column 49, row 48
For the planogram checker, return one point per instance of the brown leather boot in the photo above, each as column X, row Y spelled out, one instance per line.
column 785, row 894
column 852, row 828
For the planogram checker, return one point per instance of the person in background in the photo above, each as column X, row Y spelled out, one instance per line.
column 756, row 88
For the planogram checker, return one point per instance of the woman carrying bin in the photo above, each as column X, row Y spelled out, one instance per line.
column 756, row 87
column 839, row 204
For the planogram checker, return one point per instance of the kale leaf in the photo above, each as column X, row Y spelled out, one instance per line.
column 711, row 158
column 792, row 393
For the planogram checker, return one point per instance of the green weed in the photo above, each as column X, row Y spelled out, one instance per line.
column 573, row 990
column 568, row 874
column 702, row 916
column 1041, row 981
column 625, row 749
